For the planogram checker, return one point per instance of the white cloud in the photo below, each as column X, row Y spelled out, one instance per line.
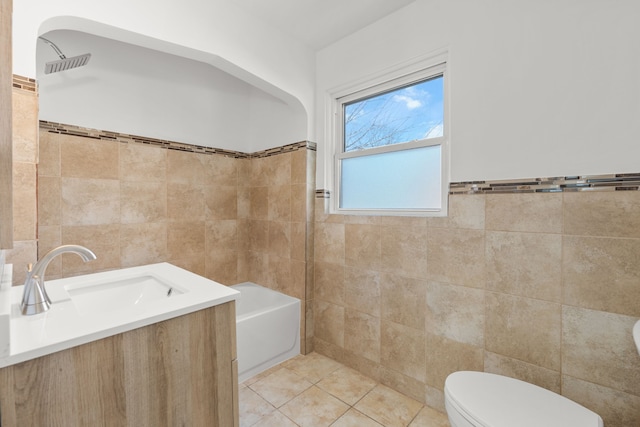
column 435, row 131
column 410, row 103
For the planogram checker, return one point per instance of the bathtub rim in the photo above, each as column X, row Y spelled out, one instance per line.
column 287, row 302
column 266, row 309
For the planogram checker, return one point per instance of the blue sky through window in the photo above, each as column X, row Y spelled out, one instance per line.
column 410, row 113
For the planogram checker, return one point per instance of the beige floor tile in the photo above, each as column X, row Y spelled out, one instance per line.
column 330, row 402
column 252, row 407
column 314, row 408
column 347, row 385
column 388, row 407
column 275, row 419
column 280, row 387
column 354, row 418
column 429, row 417
column 313, row 367
column 262, row 375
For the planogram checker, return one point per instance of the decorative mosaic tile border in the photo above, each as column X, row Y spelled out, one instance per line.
column 169, row 145
column 322, row 194
column 25, row 83
column 284, row 149
column 608, row 182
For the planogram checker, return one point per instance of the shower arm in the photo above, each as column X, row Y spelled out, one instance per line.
column 54, row 47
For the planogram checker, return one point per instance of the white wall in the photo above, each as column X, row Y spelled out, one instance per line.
column 272, row 120
column 134, row 90
column 215, row 32
column 538, row 89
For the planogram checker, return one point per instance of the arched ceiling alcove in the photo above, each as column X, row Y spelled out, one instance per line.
column 143, row 86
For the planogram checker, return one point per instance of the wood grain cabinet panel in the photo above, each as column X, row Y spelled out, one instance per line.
column 180, row 372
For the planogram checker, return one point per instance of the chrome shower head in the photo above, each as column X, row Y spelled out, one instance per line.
column 64, row 63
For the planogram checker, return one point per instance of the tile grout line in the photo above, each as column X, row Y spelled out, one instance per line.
column 316, row 383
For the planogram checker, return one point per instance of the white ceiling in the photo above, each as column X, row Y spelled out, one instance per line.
column 319, row 23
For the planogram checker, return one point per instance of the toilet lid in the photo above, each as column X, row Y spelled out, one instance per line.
column 489, row 400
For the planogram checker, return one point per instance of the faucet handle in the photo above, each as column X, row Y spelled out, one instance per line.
column 29, row 267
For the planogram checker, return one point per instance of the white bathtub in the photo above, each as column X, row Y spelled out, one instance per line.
column 268, row 328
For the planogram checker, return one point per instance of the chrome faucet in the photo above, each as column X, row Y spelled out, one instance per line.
column 35, row 299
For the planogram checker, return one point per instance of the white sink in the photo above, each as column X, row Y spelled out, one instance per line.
column 125, row 293
column 636, row 335
column 95, row 306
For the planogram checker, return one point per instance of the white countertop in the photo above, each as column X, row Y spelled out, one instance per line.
column 64, row 326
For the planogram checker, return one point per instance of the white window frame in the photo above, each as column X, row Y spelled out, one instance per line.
column 419, row 69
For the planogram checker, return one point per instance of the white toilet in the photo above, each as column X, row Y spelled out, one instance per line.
column 480, row 399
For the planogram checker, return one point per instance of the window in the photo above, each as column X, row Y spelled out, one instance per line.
column 391, row 146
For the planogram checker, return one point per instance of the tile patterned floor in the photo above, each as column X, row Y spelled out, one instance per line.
column 315, row 391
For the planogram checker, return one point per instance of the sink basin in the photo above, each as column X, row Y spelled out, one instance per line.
column 636, row 335
column 112, row 295
column 93, row 306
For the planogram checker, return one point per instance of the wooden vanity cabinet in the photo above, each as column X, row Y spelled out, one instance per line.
column 179, row 372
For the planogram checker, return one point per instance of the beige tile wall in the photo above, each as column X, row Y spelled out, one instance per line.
column 135, row 204
column 229, row 219
column 226, row 218
column 542, row 287
column 25, row 159
column 275, row 225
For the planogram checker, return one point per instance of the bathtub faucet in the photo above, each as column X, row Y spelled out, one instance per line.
column 35, row 299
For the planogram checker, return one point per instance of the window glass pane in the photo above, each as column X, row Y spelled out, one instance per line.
column 406, row 179
column 406, row 114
